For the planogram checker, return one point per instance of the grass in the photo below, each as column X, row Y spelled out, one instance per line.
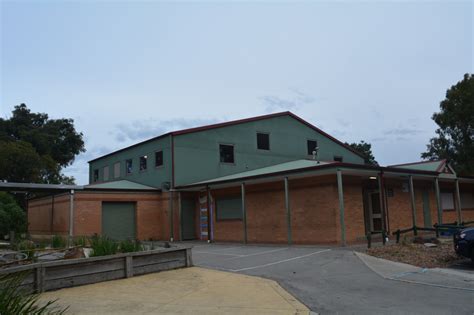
column 80, row 241
column 129, row 246
column 102, row 245
column 27, row 247
column 14, row 300
column 57, row 241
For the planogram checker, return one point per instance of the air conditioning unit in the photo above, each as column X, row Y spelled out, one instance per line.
column 165, row 186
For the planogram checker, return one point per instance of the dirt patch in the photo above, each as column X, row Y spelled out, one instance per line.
column 442, row 255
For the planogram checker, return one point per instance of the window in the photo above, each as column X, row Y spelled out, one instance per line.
column 229, row 208
column 263, row 141
column 143, row 163
column 158, row 158
column 226, row 152
column 312, row 145
column 129, row 166
column 96, row 175
column 447, row 200
column 117, row 170
column 338, row 158
column 106, row 173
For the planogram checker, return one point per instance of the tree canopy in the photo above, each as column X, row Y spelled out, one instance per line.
column 35, row 148
column 454, row 138
column 365, row 149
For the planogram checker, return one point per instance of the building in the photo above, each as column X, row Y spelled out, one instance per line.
column 268, row 179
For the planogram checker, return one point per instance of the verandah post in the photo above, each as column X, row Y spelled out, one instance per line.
column 244, row 212
column 288, row 211
column 438, row 202
column 382, row 204
column 413, row 205
column 458, row 202
column 341, row 207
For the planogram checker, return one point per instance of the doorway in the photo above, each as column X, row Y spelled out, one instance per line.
column 188, row 216
column 375, row 212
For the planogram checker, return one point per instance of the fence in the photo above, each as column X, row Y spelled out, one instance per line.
column 55, row 275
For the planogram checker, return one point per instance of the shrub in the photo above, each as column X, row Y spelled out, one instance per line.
column 12, row 217
column 57, row 241
column 102, row 245
column 129, row 246
column 15, row 300
column 80, row 241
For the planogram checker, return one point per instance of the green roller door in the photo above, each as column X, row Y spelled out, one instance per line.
column 118, row 220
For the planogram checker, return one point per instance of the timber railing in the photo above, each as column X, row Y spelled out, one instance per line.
column 53, row 275
column 437, row 228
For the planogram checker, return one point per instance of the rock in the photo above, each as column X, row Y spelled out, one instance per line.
column 430, row 245
column 74, row 253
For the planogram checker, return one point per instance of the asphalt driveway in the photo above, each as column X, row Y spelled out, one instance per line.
column 334, row 280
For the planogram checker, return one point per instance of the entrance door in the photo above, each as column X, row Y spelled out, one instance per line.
column 426, row 208
column 375, row 212
column 188, row 215
column 118, row 220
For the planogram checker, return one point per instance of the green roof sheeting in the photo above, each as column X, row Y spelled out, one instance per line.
column 288, row 166
column 432, row 166
column 120, row 184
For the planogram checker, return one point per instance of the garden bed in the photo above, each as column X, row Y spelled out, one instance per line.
column 52, row 275
column 443, row 255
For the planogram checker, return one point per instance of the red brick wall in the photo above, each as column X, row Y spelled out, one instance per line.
column 152, row 214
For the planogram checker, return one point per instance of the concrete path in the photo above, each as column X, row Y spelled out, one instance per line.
column 336, row 281
column 437, row 277
column 182, row 291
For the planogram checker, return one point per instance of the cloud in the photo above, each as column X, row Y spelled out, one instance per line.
column 274, row 103
column 402, row 132
column 145, row 129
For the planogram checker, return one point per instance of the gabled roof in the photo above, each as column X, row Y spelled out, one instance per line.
column 120, row 185
column 433, row 166
column 236, row 122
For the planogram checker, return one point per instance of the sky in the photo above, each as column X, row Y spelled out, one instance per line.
column 127, row 71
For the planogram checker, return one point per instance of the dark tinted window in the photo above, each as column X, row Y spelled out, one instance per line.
column 229, row 208
column 338, row 158
column 263, row 141
column 226, row 153
column 96, row 175
column 158, row 158
column 143, row 162
column 312, row 145
column 129, row 166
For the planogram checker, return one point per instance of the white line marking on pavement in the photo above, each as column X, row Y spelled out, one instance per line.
column 259, row 253
column 280, row 261
column 213, row 253
column 223, row 249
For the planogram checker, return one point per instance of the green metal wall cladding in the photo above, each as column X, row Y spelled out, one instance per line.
column 196, row 155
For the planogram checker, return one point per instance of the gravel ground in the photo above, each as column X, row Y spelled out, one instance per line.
column 441, row 256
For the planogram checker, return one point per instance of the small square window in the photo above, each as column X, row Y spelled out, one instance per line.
column 143, row 163
column 106, row 173
column 96, row 175
column 338, row 159
column 312, row 145
column 158, row 158
column 117, row 170
column 263, row 141
column 129, row 166
column 226, row 152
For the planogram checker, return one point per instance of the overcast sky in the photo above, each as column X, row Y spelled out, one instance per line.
column 125, row 72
